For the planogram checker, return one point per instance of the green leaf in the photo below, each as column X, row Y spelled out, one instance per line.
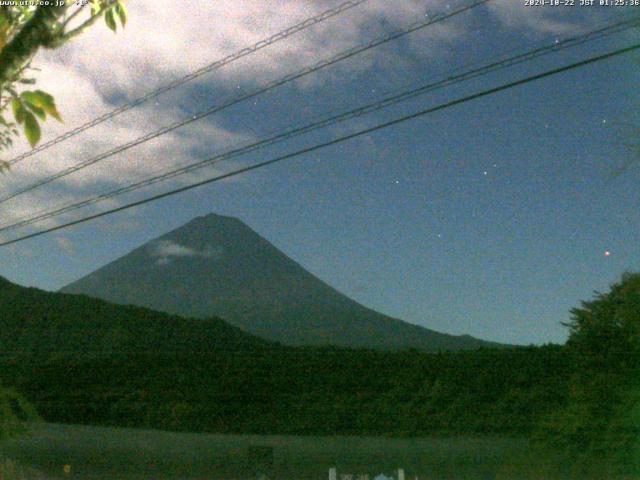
column 18, row 110
column 32, row 98
column 53, row 111
column 95, row 7
column 49, row 105
column 121, row 10
column 40, row 113
column 110, row 20
column 31, row 129
column 42, row 101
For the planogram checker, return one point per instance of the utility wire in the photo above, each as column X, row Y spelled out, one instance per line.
column 269, row 86
column 501, row 63
column 309, row 22
column 337, row 140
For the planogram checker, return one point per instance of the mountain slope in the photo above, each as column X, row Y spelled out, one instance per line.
column 216, row 265
column 42, row 325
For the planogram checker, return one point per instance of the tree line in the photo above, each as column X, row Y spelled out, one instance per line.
column 581, row 400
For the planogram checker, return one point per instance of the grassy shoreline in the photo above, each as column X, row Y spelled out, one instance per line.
column 118, row 453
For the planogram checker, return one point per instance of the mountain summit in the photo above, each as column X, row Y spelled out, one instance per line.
column 218, row 266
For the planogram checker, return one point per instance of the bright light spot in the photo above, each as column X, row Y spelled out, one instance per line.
column 607, row 253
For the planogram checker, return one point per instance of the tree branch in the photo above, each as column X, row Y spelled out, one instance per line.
column 72, row 16
column 39, row 31
column 64, row 38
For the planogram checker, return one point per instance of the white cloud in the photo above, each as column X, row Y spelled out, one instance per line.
column 541, row 20
column 164, row 40
column 161, row 42
column 164, row 250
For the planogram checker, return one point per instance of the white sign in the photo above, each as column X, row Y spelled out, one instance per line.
column 333, row 475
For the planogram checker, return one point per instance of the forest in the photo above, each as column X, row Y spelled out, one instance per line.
column 582, row 398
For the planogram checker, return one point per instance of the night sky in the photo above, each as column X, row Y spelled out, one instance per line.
column 492, row 218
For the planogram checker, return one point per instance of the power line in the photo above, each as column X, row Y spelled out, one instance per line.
column 309, row 22
column 337, row 140
column 554, row 47
column 289, row 133
column 269, row 86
